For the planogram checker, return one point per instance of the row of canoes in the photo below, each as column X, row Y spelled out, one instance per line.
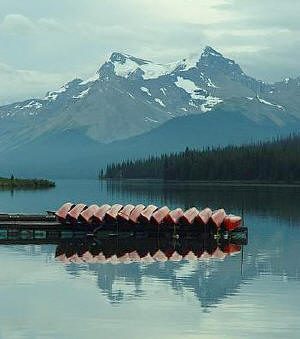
column 141, row 214
column 146, row 256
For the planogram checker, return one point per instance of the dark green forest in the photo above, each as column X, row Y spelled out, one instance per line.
column 274, row 161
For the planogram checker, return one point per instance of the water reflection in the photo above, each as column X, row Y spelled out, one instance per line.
column 279, row 201
column 184, row 264
column 122, row 263
column 199, row 298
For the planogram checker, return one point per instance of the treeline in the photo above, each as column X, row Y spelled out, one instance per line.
column 276, row 160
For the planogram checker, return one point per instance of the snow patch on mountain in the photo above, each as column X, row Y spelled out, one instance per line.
column 54, row 94
column 126, row 65
column 164, row 92
column 189, row 86
column 146, row 90
column 32, row 104
column 147, row 119
column 210, row 83
column 160, row 102
column 269, row 103
column 210, row 103
column 82, row 94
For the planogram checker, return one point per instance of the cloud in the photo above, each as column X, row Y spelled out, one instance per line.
column 18, row 24
column 77, row 36
column 50, row 25
column 22, row 84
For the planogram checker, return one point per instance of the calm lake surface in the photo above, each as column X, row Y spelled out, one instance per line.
column 252, row 294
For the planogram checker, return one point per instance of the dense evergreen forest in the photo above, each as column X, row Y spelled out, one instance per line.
column 276, row 160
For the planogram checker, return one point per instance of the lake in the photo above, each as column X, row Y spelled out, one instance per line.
column 254, row 293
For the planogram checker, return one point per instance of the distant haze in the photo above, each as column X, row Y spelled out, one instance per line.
column 46, row 43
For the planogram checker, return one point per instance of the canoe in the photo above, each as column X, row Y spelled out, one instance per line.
column 146, row 214
column 189, row 215
column 124, row 214
column 74, row 213
column 217, row 217
column 203, row 216
column 159, row 216
column 136, row 212
column 231, row 222
column 169, row 252
column 219, row 254
column 111, row 214
column 232, row 249
column 88, row 214
column 160, row 256
column 174, row 216
column 100, row 213
column 62, row 212
column 175, row 257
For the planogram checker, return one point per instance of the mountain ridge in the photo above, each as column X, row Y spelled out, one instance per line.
column 129, row 97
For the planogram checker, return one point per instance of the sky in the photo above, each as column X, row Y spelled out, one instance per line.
column 47, row 43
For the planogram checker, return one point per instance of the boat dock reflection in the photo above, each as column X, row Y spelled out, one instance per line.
column 126, row 247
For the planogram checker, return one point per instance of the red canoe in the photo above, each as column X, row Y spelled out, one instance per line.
column 159, row 216
column 125, row 213
column 190, row 215
column 88, row 214
column 75, row 211
column 232, row 249
column 203, row 216
column 146, row 214
column 111, row 215
column 217, row 217
column 100, row 213
column 62, row 212
column 174, row 216
column 136, row 212
column 232, row 221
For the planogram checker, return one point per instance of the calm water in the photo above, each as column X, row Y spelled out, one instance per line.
column 254, row 296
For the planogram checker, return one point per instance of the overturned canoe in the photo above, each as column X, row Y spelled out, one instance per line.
column 231, row 222
column 146, row 214
column 189, row 216
column 100, row 213
column 174, row 216
column 125, row 212
column 218, row 217
column 159, row 216
column 63, row 211
column 203, row 216
column 74, row 213
column 111, row 214
column 87, row 214
column 232, row 249
column 136, row 212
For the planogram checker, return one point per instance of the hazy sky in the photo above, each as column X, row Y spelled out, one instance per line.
column 45, row 43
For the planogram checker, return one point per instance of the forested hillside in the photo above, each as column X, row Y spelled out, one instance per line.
column 276, row 160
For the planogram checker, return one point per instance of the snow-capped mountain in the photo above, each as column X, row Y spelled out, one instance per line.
column 129, row 96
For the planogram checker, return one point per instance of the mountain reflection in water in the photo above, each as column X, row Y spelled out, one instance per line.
column 184, row 298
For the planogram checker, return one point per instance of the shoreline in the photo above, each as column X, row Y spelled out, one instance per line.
column 237, row 183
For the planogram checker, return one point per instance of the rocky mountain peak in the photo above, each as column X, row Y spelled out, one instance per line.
column 209, row 51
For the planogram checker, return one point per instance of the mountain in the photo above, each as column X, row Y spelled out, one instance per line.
column 134, row 107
